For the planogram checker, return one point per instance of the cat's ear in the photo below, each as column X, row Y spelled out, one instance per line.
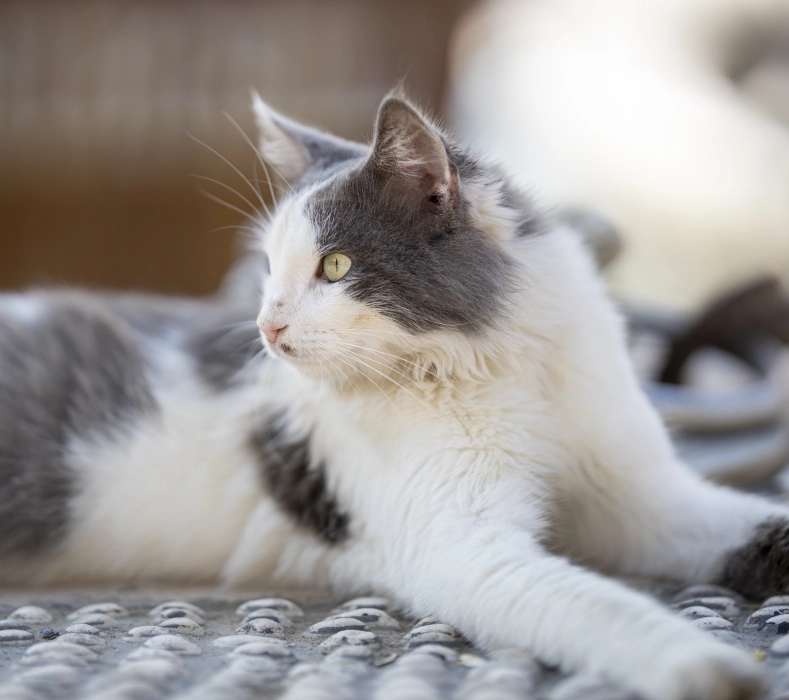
column 294, row 149
column 408, row 147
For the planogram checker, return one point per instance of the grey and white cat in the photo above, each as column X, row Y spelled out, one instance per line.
column 445, row 411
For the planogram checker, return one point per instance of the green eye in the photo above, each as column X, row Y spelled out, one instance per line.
column 335, row 266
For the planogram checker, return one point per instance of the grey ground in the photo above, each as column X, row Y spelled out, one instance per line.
column 208, row 651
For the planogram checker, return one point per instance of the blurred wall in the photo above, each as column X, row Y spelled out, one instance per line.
column 97, row 97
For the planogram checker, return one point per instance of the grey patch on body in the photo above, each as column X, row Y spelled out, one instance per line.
column 760, row 568
column 73, row 371
column 297, row 482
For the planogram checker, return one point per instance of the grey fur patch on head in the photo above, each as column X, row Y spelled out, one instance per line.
column 402, row 219
column 74, row 371
column 297, row 482
column 760, row 568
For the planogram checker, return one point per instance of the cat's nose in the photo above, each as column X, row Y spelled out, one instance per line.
column 271, row 331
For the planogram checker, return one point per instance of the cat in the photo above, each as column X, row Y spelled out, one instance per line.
column 436, row 403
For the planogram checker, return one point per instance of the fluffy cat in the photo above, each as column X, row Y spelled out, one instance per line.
column 445, row 411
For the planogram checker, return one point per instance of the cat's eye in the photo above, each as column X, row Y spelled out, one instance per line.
column 335, row 266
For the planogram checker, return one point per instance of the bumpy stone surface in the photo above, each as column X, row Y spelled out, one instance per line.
column 140, row 645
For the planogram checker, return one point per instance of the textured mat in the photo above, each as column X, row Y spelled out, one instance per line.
column 141, row 645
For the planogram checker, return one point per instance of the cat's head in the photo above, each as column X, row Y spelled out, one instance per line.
column 384, row 258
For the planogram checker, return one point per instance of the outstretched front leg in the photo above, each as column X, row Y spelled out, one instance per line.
column 497, row 585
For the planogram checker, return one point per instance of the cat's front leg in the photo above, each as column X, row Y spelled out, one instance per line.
column 500, row 588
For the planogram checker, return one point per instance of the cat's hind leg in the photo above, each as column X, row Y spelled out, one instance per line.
column 665, row 521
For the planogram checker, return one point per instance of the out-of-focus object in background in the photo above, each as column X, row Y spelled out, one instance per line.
column 721, row 381
column 671, row 117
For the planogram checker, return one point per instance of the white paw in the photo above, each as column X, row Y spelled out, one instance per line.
column 714, row 672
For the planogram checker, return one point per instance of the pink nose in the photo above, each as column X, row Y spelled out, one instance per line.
column 272, row 332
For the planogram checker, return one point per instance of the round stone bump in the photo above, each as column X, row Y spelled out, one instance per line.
column 32, row 614
column 442, row 652
column 776, row 600
column 342, row 654
column 777, row 625
column 177, row 645
column 366, row 602
column 288, row 607
column 183, row 625
column 438, row 627
column 16, row 638
column 15, row 625
column 354, row 638
column 696, row 612
column 334, row 625
column 86, row 640
column 143, row 653
column 100, row 620
column 78, row 628
column 271, row 614
column 112, row 609
column 143, row 633
column 177, row 605
column 372, row 617
column 712, row 623
column 724, row 606
column 434, row 638
column 170, row 613
column 263, row 626
column 759, row 617
column 271, row 650
column 234, row 640
column 429, row 620
column 62, row 647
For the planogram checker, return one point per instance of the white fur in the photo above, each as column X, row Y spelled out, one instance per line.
column 473, row 469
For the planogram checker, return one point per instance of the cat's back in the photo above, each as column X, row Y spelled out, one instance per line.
column 92, row 388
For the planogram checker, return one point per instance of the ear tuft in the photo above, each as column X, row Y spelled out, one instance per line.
column 279, row 148
column 296, row 150
column 407, row 145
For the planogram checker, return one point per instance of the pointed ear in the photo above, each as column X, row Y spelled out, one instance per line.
column 294, row 149
column 409, row 147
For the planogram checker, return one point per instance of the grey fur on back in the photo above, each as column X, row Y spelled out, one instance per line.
column 73, row 372
column 80, row 369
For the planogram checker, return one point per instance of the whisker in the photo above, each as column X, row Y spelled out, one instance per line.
column 396, row 357
column 228, row 187
column 235, row 169
column 256, row 151
column 221, row 201
column 356, row 369
column 387, row 377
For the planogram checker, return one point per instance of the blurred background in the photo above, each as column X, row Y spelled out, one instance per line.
column 668, row 117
